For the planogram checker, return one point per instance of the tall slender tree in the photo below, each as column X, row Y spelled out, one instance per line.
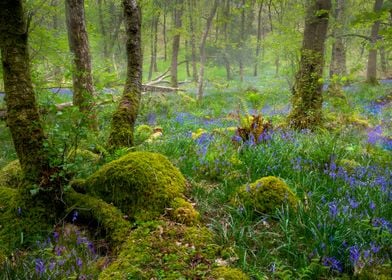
column 177, row 17
column 203, row 49
column 83, row 95
column 124, row 118
column 371, row 74
column 307, row 91
column 23, row 118
column 338, row 59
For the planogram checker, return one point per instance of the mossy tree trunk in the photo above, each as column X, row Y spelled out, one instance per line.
column 307, row 97
column 371, row 74
column 83, row 95
column 23, row 117
column 124, row 118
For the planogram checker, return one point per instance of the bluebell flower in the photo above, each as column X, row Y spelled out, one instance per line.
column 79, row 262
column 333, row 264
column 333, row 209
column 39, row 266
column 355, row 254
column 75, row 216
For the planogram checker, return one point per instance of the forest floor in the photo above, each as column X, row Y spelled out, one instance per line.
column 341, row 175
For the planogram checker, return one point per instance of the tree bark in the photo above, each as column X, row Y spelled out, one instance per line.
column 23, row 118
column 83, row 91
column 103, row 30
column 259, row 34
column 123, row 121
column 191, row 5
column 371, row 74
column 307, row 97
column 176, row 41
column 210, row 18
column 154, row 45
column 242, row 39
column 338, row 60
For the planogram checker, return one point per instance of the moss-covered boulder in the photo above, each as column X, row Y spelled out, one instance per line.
column 183, row 212
column 143, row 132
column 11, row 175
column 265, row 195
column 166, row 250
column 141, row 184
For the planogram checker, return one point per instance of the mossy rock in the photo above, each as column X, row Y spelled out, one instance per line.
column 11, row 175
column 141, row 184
column 143, row 132
column 265, row 195
column 184, row 212
column 165, row 250
column 229, row 273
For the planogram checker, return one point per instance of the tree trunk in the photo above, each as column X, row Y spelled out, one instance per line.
column 338, row 60
column 124, row 118
column 103, row 31
column 164, row 35
column 226, row 38
column 371, row 74
column 307, row 91
column 384, row 62
column 242, row 39
column 191, row 4
column 22, row 118
column 83, row 91
column 176, row 41
column 154, row 46
column 200, row 83
column 259, row 34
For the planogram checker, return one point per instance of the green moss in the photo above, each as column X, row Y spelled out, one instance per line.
column 165, row 250
column 141, row 184
column 142, row 133
column 265, row 195
column 23, row 219
column 11, row 175
column 349, row 165
column 229, row 273
column 184, row 212
column 83, row 154
column 108, row 217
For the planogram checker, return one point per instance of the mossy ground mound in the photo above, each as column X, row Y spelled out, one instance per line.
column 229, row 273
column 166, row 250
column 23, row 219
column 11, row 175
column 141, row 184
column 265, row 195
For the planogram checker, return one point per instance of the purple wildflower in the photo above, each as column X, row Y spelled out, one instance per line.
column 355, row 254
column 39, row 266
column 75, row 216
column 79, row 262
column 333, row 264
column 333, row 209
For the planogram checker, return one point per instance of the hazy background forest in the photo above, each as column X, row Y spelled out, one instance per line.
column 251, row 157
